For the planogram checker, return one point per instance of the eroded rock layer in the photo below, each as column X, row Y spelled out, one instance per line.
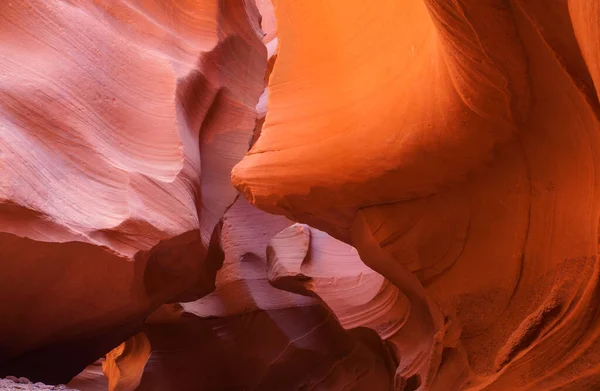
column 264, row 337
column 119, row 125
column 417, row 209
column 454, row 144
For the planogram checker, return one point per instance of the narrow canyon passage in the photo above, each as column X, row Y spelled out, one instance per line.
column 280, row 195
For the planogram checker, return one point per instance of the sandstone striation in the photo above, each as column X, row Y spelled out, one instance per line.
column 228, row 195
column 119, row 125
column 454, row 145
column 264, row 337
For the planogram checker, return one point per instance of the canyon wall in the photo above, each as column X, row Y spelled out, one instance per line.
column 300, row 195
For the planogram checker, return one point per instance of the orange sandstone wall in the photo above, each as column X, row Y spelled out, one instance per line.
column 300, row 195
column 454, row 144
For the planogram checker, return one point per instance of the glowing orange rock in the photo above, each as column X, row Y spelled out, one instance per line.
column 454, row 144
column 443, row 154
column 124, row 364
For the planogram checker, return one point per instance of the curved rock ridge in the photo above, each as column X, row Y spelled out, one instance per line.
column 120, row 122
column 231, row 195
column 92, row 378
column 308, row 261
column 242, row 284
column 263, row 337
column 455, row 146
column 277, row 274
column 124, row 364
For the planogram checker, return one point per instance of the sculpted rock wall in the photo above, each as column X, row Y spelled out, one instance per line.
column 248, row 334
column 119, row 125
column 417, row 209
column 455, row 145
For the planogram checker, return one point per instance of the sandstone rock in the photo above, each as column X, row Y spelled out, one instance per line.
column 251, row 330
column 284, row 349
column 418, row 209
column 90, row 379
column 455, row 145
column 119, row 125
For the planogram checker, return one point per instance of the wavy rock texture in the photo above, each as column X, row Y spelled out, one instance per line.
column 119, row 125
column 92, row 378
column 454, row 144
column 304, row 260
column 248, row 334
column 424, row 171
column 288, row 349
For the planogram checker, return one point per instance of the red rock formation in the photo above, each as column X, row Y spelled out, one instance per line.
column 263, row 337
column 454, row 144
column 92, row 378
column 285, row 349
column 308, row 261
column 119, row 125
column 124, row 365
column 439, row 157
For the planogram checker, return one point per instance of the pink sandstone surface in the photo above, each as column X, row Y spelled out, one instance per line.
column 203, row 195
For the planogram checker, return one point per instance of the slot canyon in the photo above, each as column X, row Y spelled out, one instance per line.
column 299, row 195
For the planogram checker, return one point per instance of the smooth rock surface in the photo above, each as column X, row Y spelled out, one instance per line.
column 230, row 195
column 119, row 125
column 455, row 145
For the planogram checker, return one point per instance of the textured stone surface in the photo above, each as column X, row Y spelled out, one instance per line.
column 92, row 378
column 119, row 125
column 255, row 332
column 418, row 195
column 14, row 384
column 455, row 145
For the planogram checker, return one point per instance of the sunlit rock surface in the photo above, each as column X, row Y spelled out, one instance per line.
column 454, row 144
column 240, row 195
